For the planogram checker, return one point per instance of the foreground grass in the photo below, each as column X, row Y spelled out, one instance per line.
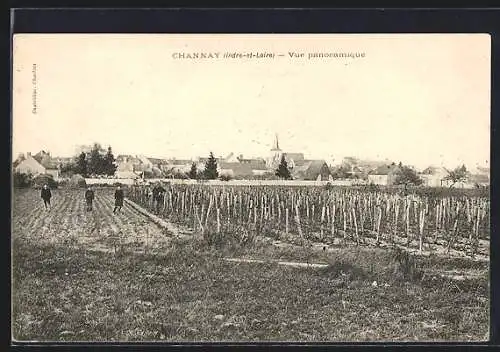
column 191, row 294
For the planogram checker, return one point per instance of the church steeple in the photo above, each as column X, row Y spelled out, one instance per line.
column 276, row 153
column 276, row 146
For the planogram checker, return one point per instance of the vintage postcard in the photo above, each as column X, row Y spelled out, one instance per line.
column 251, row 188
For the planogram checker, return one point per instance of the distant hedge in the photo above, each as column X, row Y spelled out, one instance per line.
column 21, row 180
column 44, row 179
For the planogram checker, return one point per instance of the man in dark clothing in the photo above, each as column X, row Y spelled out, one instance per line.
column 158, row 196
column 89, row 198
column 46, row 195
column 118, row 199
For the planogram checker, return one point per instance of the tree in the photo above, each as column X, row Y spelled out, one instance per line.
column 342, row 172
column 210, row 172
column 459, row 174
column 81, row 166
column 68, row 168
column 109, row 163
column 96, row 162
column 407, row 176
column 193, row 173
column 283, row 171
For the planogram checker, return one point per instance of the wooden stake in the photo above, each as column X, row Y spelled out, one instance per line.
column 333, row 220
column 286, row 221
column 208, row 211
column 218, row 220
column 297, row 221
column 379, row 219
column 355, row 225
column 345, row 223
column 421, row 228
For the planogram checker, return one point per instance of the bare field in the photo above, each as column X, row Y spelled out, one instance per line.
column 100, row 276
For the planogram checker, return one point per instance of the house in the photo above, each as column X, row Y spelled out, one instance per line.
column 145, row 163
column 312, row 170
column 28, row 165
column 40, row 163
column 241, row 170
column 359, row 168
column 177, row 166
column 235, row 170
column 479, row 176
column 293, row 159
column 127, row 166
column 126, row 163
column 19, row 159
column 384, row 175
column 232, row 158
column 203, row 160
column 434, row 176
column 158, row 162
column 243, row 160
column 179, row 161
column 50, row 165
column 140, row 164
column 159, row 166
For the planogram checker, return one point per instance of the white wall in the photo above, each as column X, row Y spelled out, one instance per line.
column 109, row 181
column 30, row 166
column 243, row 182
column 378, row 179
column 431, row 180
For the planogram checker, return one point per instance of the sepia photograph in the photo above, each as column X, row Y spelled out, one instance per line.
column 250, row 188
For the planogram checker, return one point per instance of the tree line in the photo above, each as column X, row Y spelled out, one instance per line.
column 98, row 162
column 210, row 171
column 405, row 175
column 93, row 163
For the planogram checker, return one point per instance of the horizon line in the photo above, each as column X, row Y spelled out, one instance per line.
column 329, row 161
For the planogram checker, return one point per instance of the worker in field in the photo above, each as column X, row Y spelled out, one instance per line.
column 158, row 196
column 89, row 198
column 46, row 195
column 149, row 193
column 118, row 199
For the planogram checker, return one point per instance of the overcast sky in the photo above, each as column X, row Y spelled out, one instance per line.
column 419, row 99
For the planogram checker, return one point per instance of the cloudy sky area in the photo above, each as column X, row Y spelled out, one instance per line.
column 419, row 99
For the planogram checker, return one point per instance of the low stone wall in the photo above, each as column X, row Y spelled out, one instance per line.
column 124, row 181
column 243, row 182
column 109, row 181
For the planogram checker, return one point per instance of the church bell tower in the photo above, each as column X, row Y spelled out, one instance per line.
column 275, row 155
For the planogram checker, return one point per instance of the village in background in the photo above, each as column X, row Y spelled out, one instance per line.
column 98, row 165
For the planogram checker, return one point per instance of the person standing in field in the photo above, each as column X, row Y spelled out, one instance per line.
column 149, row 194
column 118, row 199
column 46, row 195
column 89, row 198
column 158, row 196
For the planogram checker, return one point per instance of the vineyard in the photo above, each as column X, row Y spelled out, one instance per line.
column 100, row 276
column 335, row 217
